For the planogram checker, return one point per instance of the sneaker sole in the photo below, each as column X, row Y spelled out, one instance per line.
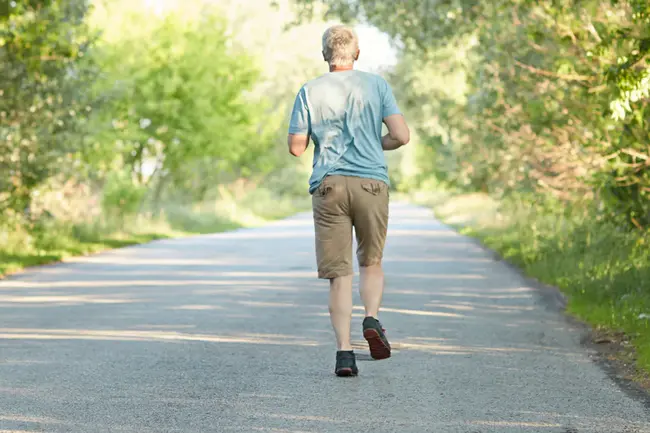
column 345, row 372
column 378, row 349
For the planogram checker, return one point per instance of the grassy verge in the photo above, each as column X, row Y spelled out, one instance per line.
column 23, row 245
column 603, row 268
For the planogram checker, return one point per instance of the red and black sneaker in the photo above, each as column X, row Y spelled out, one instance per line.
column 376, row 337
column 346, row 363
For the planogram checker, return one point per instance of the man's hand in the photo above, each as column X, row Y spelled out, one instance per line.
column 297, row 143
column 398, row 132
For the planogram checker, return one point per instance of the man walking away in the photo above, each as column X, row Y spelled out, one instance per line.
column 342, row 113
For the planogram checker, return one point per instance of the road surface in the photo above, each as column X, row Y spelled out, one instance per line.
column 230, row 333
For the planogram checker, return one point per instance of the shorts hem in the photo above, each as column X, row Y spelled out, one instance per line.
column 334, row 274
column 371, row 262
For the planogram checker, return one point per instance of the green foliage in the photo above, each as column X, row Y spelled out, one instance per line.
column 42, row 98
column 178, row 108
column 121, row 196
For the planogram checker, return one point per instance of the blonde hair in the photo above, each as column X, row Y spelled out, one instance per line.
column 340, row 45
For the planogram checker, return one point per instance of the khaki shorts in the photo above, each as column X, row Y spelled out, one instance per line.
column 341, row 203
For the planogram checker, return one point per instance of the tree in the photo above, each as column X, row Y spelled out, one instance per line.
column 177, row 110
column 42, row 98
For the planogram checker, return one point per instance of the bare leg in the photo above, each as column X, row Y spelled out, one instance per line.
column 341, row 310
column 372, row 289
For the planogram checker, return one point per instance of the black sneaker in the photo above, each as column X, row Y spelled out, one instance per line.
column 376, row 337
column 346, row 364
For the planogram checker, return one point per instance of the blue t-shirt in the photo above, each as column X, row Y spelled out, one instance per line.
column 343, row 113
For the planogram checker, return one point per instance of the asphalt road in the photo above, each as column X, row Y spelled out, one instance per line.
column 230, row 333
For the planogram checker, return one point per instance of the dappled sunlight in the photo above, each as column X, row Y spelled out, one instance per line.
column 269, row 304
column 249, row 289
column 262, row 234
column 326, row 314
column 302, row 417
column 266, row 396
column 126, row 260
column 7, row 300
column 415, row 312
column 12, row 284
column 196, row 307
column 16, row 391
column 444, row 349
column 151, row 336
column 588, row 421
column 515, row 424
column 458, row 307
column 481, row 296
column 23, row 362
column 280, row 430
column 30, row 419
column 441, row 259
column 20, row 431
column 169, row 326
column 426, row 234
column 471, row 306
column 436, row 276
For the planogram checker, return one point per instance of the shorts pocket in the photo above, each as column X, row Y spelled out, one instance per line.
column 323, row 189
column 374, row 188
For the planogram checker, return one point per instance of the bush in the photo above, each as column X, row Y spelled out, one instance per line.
column 121, row 197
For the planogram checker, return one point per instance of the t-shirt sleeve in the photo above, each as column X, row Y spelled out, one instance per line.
column 388, row 102
column 299, row 123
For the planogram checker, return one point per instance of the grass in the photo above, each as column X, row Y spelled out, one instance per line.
column 23, row 245
column 11, row 262
column 602, row 267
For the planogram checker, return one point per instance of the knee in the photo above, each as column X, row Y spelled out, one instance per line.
column 372, row 267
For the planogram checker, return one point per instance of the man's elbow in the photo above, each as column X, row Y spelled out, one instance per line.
column 297, row 149
column 404, row 138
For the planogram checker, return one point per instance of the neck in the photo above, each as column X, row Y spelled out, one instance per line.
column 341, row 68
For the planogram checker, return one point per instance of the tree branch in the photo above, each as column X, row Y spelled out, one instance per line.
column 544, row 73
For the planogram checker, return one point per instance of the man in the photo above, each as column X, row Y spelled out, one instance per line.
column 342, row 113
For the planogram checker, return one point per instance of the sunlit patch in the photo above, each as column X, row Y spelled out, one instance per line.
column 30, row 419
column 514, row 424
column 148, row 261
column 438, row 347
column 459, row 307
column 17, row 391
column 152, row 336
column 267, row 396
column 196, row 307
column 279, row 430
column 399, row 259
column 20, row 431
column 65, row 299
column 304, row 418
column 481, row 295
column 23, row 362
column 170, row 326
column 267, row 304
column 416, row 312
column 436, row 276
column 147, row 283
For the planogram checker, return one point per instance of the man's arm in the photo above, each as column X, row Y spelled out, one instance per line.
column 297, row 143
column 299, row 126
column 398, row 132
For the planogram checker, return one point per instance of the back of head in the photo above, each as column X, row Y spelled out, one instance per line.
column 340, row 46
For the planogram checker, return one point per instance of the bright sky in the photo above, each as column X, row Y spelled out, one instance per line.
column 376, row 49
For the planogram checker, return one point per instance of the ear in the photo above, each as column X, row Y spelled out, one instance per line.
column 357, row 56
column 324, row 58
